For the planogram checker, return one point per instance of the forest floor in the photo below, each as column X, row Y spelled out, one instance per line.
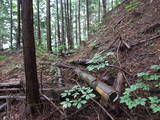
column 133, row 34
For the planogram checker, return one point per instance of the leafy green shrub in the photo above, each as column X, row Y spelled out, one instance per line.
column 60, row 48
column 146, row 82
column 133, row 4
column 96, row 27
column 77, row 96
column 99, row 61
column 2, row 57
column 41, row 50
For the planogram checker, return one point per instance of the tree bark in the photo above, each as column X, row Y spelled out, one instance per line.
column 79, row 20
column 104, row 8
column 32, row 85
column 62, row 24
column 19, row 24
column 58, row 26
column 99, row 11
column 11, row 25
column 38, row 22
column 49, row 43
column 76, row 26
column 87, row 14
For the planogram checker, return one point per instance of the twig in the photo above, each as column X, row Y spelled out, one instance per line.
column 76, row 111
column 54, row 105
column 119, row 68
column 143, row 41
column 103, row 109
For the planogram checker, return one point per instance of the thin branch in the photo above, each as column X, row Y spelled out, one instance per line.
column 109, row 115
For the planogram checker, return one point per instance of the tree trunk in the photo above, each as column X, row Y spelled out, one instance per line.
column 11, row 26
column 58, row 26
column 104, row 8
column 62, row 24
column 70, row 25
column 79, row 21
column 38, row 22
column 99, row 11
column 87, row 14
column 76, row 20
column 49, row 43
column 32, row 85
column 19, row 24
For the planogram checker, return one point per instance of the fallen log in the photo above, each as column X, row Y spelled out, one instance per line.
column 118, row 83
column 17, row 97
column 58, row 90
column 151, row 28
column 12, row 97
column 85, row 62
column 3, row 106
column 106, row 92
column 147, row 40
column 17, row 84
column 8, row 90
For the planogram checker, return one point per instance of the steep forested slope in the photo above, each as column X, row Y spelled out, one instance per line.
column 131, row 32
column 134, row 26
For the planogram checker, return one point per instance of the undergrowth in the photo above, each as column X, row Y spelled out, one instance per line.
column 134, row 95
column 133, row 5
column 101, row 60
column 2, row 57
column 77, row 96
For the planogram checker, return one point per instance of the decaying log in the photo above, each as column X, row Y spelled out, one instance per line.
column 62, row 65
column 91, row 80
column 57, row 90
column 3, row 106
column 11, row 84
column 59, row 77
column 85, row 62
column 118, row 83
column 137, row 13
column 107, row 92
column 8, row 101
column 8, row 90
column 143, row 41
column 151, row 28
column 12, row 97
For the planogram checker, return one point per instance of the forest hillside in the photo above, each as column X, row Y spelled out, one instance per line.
column 120, row 61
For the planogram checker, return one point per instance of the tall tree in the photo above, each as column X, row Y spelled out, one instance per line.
column 79, row 20
column 49, row 43
column 19, row 24
column 62, row 24
column 32, row 85
column 58, row 26
column 11, row 25
column 87, row 14
column 38, row 24
column 104, row 8
column 99, row 10
column 70, row 25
